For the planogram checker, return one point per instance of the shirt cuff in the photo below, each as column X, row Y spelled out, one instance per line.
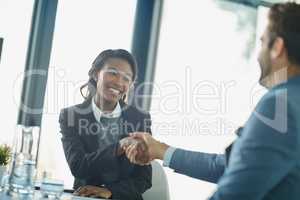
column 168, row 156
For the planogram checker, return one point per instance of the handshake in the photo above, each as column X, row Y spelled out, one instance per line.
column 141, row 148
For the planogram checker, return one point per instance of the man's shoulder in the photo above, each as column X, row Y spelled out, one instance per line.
column 282, row 98
column 276, row 112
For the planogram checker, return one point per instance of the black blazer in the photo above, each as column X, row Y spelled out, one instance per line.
column 98, row 166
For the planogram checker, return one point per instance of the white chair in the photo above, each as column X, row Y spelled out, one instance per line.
column 160, row 187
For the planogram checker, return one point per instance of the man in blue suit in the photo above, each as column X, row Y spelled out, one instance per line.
column 264, row 162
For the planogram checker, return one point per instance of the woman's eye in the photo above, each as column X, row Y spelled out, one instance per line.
column 113, row 72
column 127, row 79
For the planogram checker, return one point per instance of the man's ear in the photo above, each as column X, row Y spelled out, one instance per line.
column 277, row 48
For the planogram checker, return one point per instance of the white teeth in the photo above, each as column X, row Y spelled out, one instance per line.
column 114, row 90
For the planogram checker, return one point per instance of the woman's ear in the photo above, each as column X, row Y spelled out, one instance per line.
column 130, row 94
column 130, row 91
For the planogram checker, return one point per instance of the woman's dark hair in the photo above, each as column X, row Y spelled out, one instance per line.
column 284, row 18
column 99, row 63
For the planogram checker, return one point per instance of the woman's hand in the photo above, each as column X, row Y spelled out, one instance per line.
column 93, row 191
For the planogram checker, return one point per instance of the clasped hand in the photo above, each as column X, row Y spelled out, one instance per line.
column 141, row 148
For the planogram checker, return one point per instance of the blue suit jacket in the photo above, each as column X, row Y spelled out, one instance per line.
column 265, row 160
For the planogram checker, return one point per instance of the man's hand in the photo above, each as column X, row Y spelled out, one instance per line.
column 93, row 191
column 154, row 150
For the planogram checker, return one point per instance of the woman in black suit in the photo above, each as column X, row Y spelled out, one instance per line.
column 94, row 132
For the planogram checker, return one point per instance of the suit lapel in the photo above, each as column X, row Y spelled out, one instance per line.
column 128, row 121
column 90, row 136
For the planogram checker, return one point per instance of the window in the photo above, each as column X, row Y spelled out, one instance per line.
column 83, row 29
column 15, row 22
column 206, row 81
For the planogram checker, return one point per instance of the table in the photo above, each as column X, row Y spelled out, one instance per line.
column 37, row 196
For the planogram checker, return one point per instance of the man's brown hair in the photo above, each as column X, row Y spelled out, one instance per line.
column 285, row 23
